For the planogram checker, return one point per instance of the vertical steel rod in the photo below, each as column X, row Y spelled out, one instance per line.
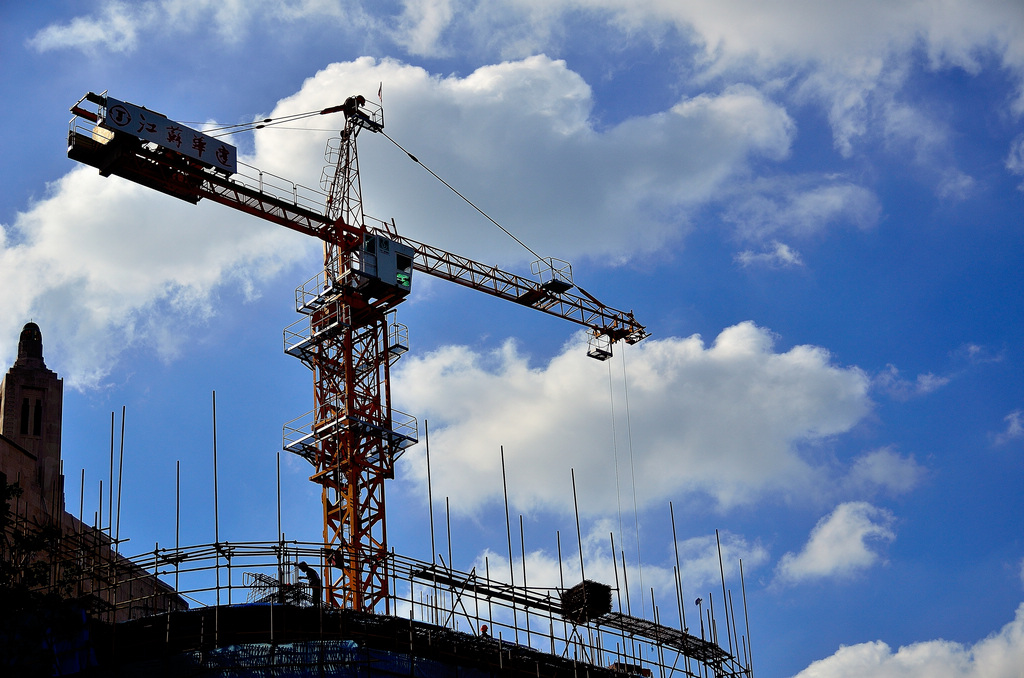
column 725, row 599
column 732, row 616
column 629, row 610
column 216, row 508
column 508, row 531
column 177, row 521
column 490, row 603
column 561, row 582
column 618, row 591
column 579, row 533
column 430, row 493
column 279, row 496
column 679, row 572
column 746, row 619
column 448, row 524
column 280, row 532
column 522, row 546
column 81, row 502
column 120, row 470
column 110, row 483
column 430, row 505
column 679, row 581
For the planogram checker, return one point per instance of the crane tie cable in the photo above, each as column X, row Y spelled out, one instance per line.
column 456, row 192
column 265, row 122
column 261, row 124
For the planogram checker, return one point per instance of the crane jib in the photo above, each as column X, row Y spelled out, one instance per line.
column 117, row 149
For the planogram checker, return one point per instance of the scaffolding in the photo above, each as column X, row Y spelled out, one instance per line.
column 84, row 565
column 442, row 620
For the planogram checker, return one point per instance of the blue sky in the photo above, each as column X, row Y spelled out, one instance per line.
column 815, row 208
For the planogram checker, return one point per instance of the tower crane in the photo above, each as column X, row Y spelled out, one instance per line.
column 347, row 334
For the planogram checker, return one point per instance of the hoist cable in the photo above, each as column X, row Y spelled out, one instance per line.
column 615, row 451
column 456, row 192
column 632, row 473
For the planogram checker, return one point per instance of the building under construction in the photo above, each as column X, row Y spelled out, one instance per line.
column 349, row 605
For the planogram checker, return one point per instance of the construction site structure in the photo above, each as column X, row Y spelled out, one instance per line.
column 254, row 608
column 348, row 336
column 449, row 623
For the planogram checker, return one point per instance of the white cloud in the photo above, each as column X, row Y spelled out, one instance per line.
column 974, row 354
column 845, row 53
column 699, row 561
column 104, row 265
column 517, row 138
column 890, row 382
column 955, row 185
column 840, row 544
column 1015, row 159
column 849, row 98
column 798, row 209
column 779, row 255
column 1014, row 428
column 422, row 23
column 843, row 46
column 123, row 26
column 728, row 420
column 884, row 469
column 1001, row 655
column 115, row 29
column 733, row 33
column 911, row 133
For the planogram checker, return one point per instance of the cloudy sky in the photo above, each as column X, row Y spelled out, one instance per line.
column 815, row 209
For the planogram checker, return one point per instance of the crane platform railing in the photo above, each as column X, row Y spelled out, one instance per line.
column 300, row 435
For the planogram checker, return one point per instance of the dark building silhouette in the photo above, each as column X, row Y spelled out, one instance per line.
column 31, row 403
column 31, row 398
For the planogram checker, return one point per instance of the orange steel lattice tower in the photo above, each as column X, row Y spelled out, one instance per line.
column 351, row 438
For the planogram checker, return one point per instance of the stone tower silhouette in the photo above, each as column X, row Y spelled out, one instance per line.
column 31, row 400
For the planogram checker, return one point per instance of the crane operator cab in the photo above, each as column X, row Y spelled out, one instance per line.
column 385, row 266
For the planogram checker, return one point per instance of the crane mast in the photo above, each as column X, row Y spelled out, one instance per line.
column 352, row 442
column 347, row 334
